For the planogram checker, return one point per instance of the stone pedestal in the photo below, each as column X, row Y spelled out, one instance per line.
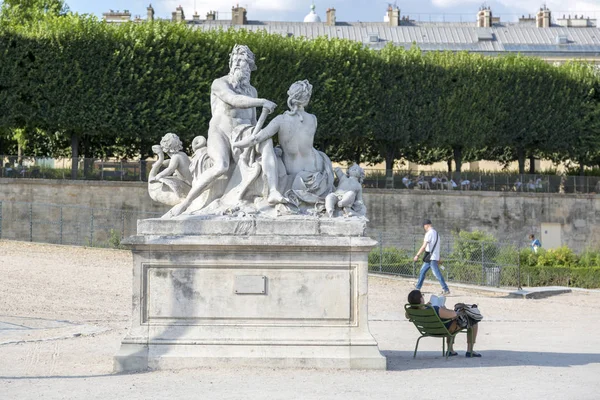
column 285, row 292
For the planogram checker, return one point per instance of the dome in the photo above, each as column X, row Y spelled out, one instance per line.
column 312, row 15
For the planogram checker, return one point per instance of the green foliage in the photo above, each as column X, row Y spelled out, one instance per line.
column 476, row 246
column 562, row 256
column 119, row 88
column 391, row 260
column 114, row 239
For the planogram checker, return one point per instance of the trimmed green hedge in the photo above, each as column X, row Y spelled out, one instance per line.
column 120, row 87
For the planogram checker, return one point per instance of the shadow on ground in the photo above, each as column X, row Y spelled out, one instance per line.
column 404, row 361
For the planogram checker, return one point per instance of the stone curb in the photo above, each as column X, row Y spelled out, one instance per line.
column 529, row 293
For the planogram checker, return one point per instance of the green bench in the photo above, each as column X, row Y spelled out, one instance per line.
column 429, row 324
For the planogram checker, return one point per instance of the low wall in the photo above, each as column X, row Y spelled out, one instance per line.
column 131, row 196
column 508, row 216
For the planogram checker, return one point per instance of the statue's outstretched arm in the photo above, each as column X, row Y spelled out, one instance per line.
column 235, row 100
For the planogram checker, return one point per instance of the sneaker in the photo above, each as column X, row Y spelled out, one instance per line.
column 472, row 354
column 415, row 286
column 445, row 293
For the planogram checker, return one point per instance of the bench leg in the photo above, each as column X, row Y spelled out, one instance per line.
column 417, row 346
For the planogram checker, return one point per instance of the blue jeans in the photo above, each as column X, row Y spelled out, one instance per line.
column 436, row 271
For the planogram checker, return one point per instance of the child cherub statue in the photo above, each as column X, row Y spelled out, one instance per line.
column 348, row 194
column 179, row 163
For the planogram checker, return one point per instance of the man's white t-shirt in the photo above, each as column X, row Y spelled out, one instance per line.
column 430, row 237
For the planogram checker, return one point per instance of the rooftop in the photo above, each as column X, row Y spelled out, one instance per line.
column 507, row 37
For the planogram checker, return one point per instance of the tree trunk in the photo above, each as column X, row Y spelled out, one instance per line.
column 87, row 160
column 449, row 162
column 521, row 160
column 581, row 169
column 532, row 165
column 19, row 154
column 458, row 161
column 357, row 155
column 389, row 169
column 143, row 170
column 74, row 155
column 389, row 164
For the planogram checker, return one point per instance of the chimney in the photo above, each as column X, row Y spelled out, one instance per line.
column 211, row 16
column 178, row 15
column 484, row 17
column 150, row 14
column 542, row 19
column 393, row 14
column 238, row 15
column 331, row 17
column 196, row 17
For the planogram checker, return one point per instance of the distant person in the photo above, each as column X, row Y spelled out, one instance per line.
column 443, row 180
column 465, row 184
column 538, row 184
column 422, row 183
column 517, row 186
column 431, row 248
column 535, row 243
column 531, row 186
column 416, row 297
column 406, row 181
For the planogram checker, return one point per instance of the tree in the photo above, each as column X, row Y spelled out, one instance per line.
column 23, row 12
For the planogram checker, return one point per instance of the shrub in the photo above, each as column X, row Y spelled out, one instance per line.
column 476, row 246
column 589, row 258
column 562, row 256
column 391, row 260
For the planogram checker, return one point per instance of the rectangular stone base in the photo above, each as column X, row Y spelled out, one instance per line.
column 154, row 357
column 248, row 298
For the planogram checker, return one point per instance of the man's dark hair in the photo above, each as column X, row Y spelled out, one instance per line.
column 414, row 297
column 531, row 236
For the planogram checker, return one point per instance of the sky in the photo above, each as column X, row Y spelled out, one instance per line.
column 346, row 10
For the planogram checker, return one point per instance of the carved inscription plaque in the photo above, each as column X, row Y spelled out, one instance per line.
column 250, row 284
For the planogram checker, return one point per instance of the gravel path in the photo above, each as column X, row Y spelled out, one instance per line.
column 64, row 310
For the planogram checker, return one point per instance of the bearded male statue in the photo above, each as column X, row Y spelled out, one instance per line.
column 233, row 106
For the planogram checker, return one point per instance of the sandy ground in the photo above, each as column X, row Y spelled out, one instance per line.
column 64, row 310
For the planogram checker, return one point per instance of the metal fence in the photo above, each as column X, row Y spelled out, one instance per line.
column 138, row 170
column 479, row 262
column 87, row 169
column 478, row 181
column 63, row 224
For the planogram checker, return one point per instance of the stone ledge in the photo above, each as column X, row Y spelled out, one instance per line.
column 215, row 242
column 250, row 226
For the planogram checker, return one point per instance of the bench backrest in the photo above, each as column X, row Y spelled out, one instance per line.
column 426, row 320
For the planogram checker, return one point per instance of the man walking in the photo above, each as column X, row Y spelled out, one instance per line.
column 431, row 247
